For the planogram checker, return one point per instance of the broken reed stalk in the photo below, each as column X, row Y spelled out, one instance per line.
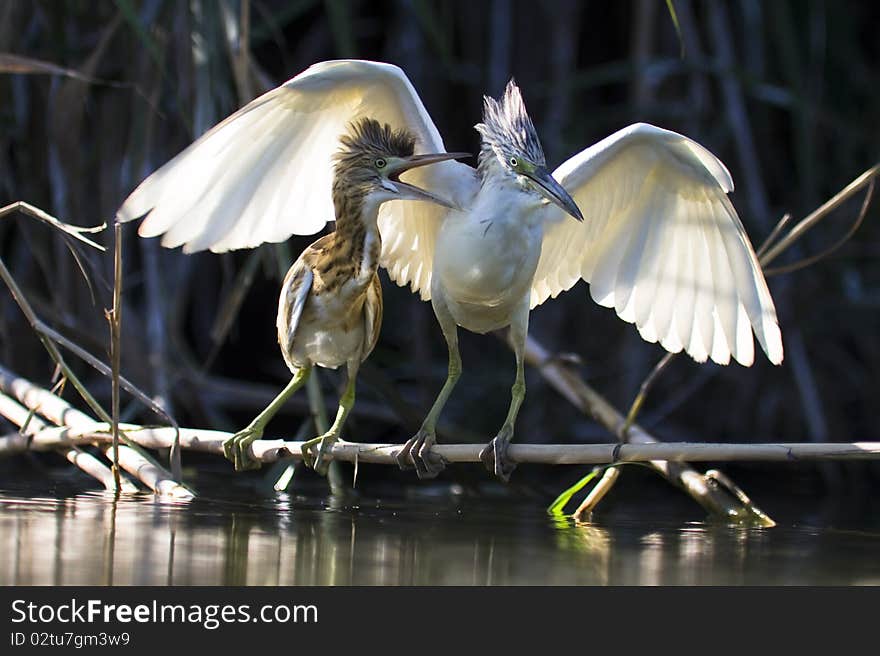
column 597, row 493
column 114, row 316
column 77, row 232
column 51, row 339
column 808, row 222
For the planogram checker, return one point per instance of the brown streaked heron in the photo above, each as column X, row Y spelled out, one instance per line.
column 330, row 306
column 661, row 244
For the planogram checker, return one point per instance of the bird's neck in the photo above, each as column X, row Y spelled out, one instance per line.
column 488, row 166
column 356, row 239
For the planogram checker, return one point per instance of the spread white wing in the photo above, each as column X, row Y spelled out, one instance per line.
column 265, row 172
column 661, row 244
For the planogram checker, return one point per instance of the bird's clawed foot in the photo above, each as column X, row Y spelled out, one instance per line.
column 416, row 453
column 236, row 448
column 318, row 460
column 495, row 457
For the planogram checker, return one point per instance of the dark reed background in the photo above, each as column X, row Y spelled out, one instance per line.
column 786, row 93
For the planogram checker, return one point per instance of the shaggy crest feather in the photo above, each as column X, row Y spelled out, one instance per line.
column 507, row 130
column 366, row 136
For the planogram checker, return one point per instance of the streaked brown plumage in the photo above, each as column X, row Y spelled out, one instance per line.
column 340, row 304
column 330, row 307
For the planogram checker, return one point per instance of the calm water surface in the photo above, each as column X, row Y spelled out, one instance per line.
column 231, row 538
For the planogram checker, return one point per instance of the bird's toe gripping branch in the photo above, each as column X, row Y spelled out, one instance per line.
column 495, row 457
column 236, row 448
column 319, row 460
column 416, row 453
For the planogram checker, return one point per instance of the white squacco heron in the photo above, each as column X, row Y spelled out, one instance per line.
column 642, row 216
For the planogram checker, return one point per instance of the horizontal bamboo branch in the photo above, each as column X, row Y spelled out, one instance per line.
column 81, row 430
column 271, row 450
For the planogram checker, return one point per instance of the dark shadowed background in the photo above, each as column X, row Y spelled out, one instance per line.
column 786, row 93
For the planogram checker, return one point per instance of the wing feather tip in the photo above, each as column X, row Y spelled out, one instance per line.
column 772, row 341
column 774, row 351
column 145, row 231
column 124, row 215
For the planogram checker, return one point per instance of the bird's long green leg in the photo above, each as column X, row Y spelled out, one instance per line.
column 236, row 447
column 494, row 456
column 453, row 373
column 320, row 463
column 517, row 392
column 416, row 451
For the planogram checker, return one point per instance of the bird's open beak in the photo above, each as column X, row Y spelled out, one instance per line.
column 554, row 192
column 411, row 192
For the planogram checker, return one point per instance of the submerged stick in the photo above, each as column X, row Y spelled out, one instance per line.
column 31, row 425
column 154, row 477
column 98, row 470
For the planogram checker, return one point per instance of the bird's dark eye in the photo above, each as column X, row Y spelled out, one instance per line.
column 514, row 162
column 380, row 163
